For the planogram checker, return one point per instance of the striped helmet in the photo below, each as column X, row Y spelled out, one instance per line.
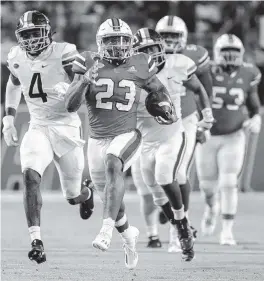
column 33, row 32
column 148, row 41
column 114, row 39
column 174, row 32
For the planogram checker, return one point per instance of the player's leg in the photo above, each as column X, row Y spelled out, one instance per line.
column 207, row 172
column 168, row 161
column 35, row 154
column 148, row 208
column 230, row 161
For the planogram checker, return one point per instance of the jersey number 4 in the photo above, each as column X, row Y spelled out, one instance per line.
column 37, row 78
column 219, row 100
column 129, row 95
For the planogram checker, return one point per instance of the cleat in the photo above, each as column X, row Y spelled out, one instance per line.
column 226, row 238
column 174, row 242
column 102, row 241
column 37, row 253
column 86, row 208
column 186, row 239
column 131, row 255
column 162, row 218
column 209, row 219
column 154, row 242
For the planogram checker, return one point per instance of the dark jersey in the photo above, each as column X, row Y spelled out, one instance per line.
column 230, row 94
column 113, row 99
column 201, row 58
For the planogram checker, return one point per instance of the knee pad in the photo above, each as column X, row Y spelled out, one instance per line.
column 31, row 177
column 227, row 180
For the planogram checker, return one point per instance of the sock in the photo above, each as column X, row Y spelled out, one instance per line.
column 227, row 223
column 187, row 214
column 179, row 214
column 108, row 226
column 185, row 192
column 122, row 224
column 34, row 232
column 152, row 230
column 229, row 200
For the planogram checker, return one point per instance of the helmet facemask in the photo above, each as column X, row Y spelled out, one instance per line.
column 34, row 39
column 230, row 57
column 115, row 47
column 174, row 41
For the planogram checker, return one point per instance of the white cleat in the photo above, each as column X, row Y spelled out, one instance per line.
column 226, row 238
column 130, row 241
column 209, row 219
column 174, row 243
column 102, row 241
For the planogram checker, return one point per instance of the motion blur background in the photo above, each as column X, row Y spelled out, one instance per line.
column 77, row 21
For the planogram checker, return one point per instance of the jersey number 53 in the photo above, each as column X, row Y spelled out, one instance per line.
column 129, row 95
column 219, row 98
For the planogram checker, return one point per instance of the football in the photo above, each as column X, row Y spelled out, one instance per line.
column 157, row 104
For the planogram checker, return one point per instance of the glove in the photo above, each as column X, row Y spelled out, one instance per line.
column 253, row 124
column 208, row 119
column 61, row 89
column 202, row 135
column 171, row 118
column 9, row 131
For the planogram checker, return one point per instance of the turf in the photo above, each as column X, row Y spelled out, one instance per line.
column 70, row 256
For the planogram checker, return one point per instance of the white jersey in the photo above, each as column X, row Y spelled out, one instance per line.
column 38, row 77
column 177, row 69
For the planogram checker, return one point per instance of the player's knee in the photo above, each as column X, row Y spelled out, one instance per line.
column 209, row 187
column 147, row 204
column 113, row 165
column 160, row 198
column 227, row 180
column 31, row 178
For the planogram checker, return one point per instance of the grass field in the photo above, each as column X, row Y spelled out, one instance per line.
column 70, row 256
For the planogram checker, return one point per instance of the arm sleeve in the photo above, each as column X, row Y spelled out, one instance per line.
column 13, row 94
column 253, row 102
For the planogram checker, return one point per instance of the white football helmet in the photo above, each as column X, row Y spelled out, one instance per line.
column 228, row 50
column 114, row 39
column 174, row 32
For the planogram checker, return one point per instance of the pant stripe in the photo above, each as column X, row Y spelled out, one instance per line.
column 180, row 156
column 130, row 149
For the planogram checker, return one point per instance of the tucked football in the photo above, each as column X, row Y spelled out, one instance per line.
column 157, row 104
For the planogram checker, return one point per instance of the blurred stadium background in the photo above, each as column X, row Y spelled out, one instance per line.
column 77, row 21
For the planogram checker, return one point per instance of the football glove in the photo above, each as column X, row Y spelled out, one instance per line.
column 208, row 119
column 9, row 131
column 253, row 124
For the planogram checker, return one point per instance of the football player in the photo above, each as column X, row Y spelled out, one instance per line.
column 163, row 147
column 236, row 108
column 110, row 82
column 174, row 32
column 41, row 69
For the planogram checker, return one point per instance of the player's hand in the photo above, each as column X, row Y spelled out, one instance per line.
column 208, row 119
column 202, row 135
column 171, row 118
column 61, row 89
column 9, row 131
column 253, row 124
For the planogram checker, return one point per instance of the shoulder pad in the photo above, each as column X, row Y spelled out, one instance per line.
column 13, row 52
column 83, row 62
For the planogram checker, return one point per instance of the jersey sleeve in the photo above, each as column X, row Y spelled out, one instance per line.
column 68, row 54
column 190, row 68
column 83, row 62
column 203, row 59
column 11, row 55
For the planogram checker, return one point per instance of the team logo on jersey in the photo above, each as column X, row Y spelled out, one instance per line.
column 16, row 65
column 239, row 81
column 219, row 78
column 132, row 69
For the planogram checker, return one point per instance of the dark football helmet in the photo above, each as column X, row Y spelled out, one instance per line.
column 148, row 41
column 33, row 32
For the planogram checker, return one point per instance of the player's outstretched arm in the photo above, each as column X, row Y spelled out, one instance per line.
column 154, row 86
column 196, row 86
column 13, row 97
column 76, row 92
column 253, row 104
column 204, row 75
